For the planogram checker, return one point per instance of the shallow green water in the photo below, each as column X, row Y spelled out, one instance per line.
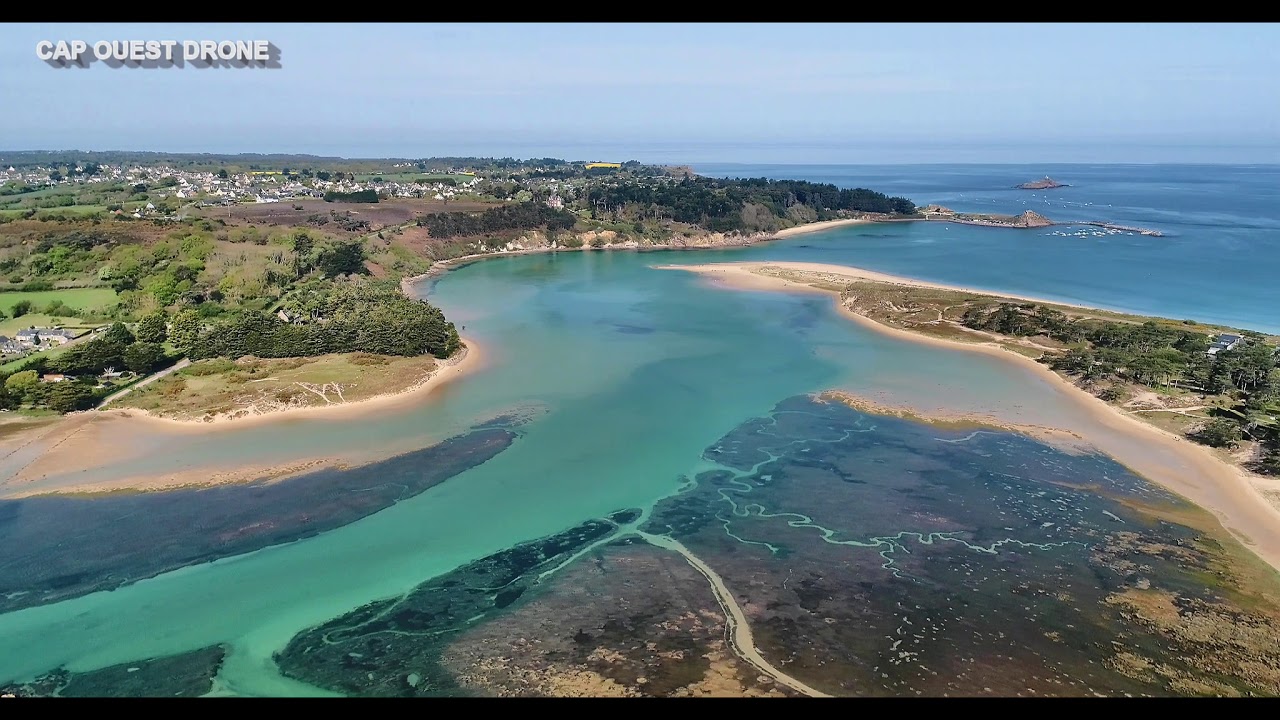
column 631, row 373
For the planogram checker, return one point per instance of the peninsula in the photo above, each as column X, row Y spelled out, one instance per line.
column 1027, row 219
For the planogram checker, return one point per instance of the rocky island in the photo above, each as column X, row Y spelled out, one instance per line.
column 1028, row 219
column 1047, row 183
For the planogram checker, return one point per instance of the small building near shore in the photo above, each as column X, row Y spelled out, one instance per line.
column 53, row 377
column 1225, row 341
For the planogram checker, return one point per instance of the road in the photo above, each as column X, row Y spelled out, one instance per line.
column 172, row 368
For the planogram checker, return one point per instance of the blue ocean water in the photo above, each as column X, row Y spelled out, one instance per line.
column 1218, row 261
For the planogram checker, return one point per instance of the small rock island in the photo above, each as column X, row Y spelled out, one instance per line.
column 1047, row 183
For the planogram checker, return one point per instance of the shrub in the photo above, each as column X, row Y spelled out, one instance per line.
column 368, row 359
column 214, row 366
column 1219, row 432
column 1112, row 394
column 172, row 386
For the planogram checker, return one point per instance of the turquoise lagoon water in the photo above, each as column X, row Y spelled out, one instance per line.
column 630, row 373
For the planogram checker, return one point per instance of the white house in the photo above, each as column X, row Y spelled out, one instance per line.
column 1224, row 341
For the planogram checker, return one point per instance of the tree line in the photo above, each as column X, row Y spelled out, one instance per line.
column 358, row 196
column 519, row 216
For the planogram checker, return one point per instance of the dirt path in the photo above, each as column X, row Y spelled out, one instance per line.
column 173, row 368
column 739, row 631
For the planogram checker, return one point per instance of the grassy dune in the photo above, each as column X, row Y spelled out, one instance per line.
column 210, row 388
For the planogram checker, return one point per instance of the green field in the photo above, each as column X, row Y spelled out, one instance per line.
column 71, row 210
column 78, row 298
column 9, row 326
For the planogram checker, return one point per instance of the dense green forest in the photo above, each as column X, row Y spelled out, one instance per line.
column 521, row 216
column 359, row 196
column 370, row 317
column 1158, row 355
column 753, row 205
column 723, row 205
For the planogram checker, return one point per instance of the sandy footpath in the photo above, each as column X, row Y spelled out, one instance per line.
column 1227, row 491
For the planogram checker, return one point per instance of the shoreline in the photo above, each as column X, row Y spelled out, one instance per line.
column 79, row 442
column 439, row 267
column 1230, row 494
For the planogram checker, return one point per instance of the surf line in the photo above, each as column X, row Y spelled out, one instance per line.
column 740, row 638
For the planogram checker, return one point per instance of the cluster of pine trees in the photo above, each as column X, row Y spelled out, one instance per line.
column 372, row 318
column 520, row 216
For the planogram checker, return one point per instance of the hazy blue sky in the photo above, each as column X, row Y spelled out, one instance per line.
column 662, row 92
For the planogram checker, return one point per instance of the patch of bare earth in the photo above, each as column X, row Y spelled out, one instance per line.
column 1222, row 645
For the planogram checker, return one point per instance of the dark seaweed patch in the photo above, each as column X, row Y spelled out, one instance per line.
column 58, row 547
column 400, row 639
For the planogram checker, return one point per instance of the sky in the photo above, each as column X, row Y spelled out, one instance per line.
column 751, row 93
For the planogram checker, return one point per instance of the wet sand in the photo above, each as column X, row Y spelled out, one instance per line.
column 1229, row 492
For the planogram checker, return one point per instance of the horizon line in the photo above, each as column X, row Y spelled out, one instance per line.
column 734, row 163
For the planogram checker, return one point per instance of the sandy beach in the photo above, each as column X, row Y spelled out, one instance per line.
column 80, row 442
column 1201, row 477
column 816, row 226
